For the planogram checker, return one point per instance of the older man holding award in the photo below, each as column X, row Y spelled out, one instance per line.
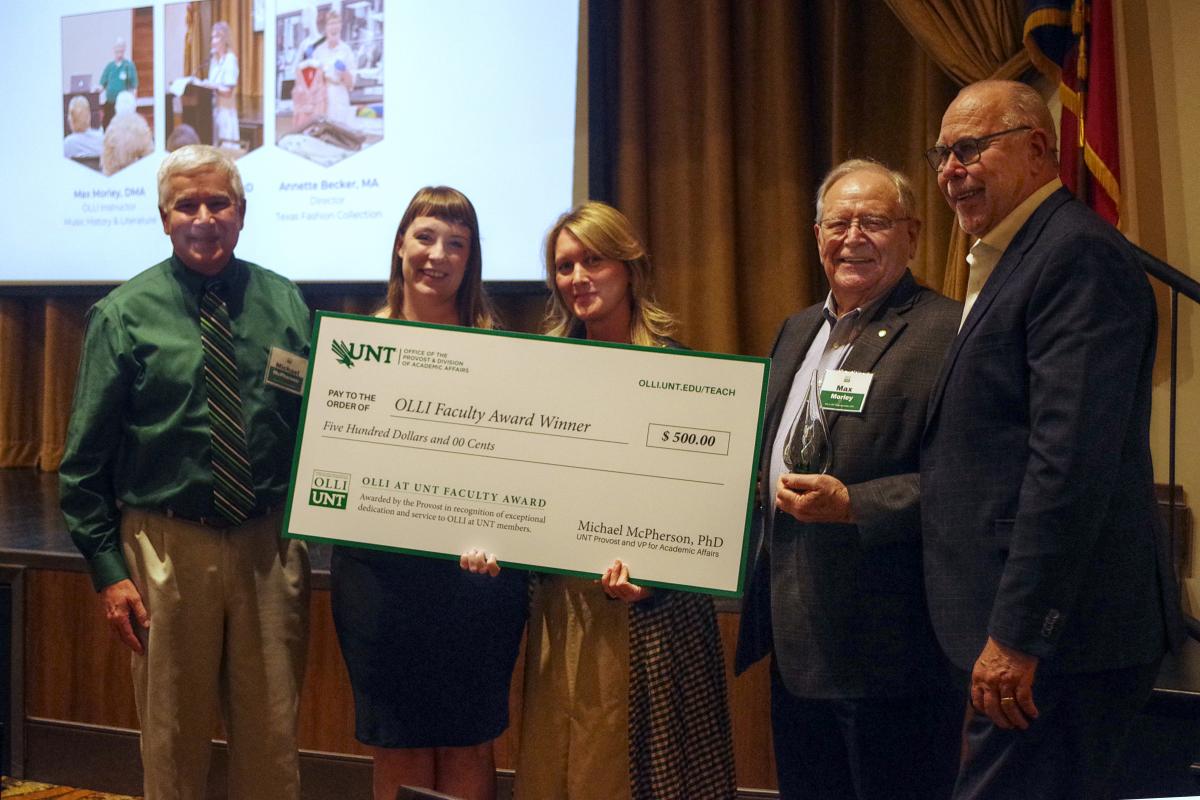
column 857, row 704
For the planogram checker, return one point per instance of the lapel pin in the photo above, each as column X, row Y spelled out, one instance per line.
column 882, row 332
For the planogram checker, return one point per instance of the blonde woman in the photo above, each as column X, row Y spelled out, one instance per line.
column 222, row 79
column 622, row 699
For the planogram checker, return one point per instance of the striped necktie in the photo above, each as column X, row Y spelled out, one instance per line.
column 233, row 487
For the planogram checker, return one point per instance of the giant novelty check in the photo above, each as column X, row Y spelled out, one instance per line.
column 555, row 455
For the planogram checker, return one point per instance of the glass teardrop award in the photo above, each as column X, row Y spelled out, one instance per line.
column 807, row 448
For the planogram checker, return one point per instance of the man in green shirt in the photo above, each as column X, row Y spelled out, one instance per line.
column 119, row 75
column 179, row 379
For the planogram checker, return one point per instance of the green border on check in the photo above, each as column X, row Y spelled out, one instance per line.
column 752, row 467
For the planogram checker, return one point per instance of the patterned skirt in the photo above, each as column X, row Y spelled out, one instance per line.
column 623, row 700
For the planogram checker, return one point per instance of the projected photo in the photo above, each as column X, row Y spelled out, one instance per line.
column 328, row 78
column 213, row 69
column 488, row 105
column 107, row 85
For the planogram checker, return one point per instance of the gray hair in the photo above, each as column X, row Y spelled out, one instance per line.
column 124, row 102
column 127, row 139
column 79, row 114
column 905, row 197
column 193, row 159
column 1023, row 105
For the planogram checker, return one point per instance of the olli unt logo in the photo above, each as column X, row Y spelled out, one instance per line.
column 349, row 352
column 329, row 489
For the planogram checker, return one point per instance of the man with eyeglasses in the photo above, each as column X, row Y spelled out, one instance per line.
column 1048, row 581
column 859, row 703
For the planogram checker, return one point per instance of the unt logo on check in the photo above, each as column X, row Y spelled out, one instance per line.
column 349, row 352
column 329, row 489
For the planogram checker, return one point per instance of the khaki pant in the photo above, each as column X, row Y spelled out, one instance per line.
column 228, row 629
column 575, row 716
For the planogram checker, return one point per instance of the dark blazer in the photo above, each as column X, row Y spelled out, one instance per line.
column 1037, row 486
column 843, row 605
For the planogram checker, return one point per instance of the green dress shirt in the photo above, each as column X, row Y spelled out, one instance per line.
column 139, row 432
column 117, row 77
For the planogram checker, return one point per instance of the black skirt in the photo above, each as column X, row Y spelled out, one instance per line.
column 430, row 647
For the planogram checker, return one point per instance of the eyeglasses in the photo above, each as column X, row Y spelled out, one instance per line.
column 967, row 149
column 867, row 224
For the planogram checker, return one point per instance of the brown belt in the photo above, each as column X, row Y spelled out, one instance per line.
column 218, row 522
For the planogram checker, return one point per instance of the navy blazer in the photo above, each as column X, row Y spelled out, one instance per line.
column 842, row 606
column 1038, row 506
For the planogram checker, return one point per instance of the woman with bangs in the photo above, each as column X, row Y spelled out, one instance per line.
column 430, row 648
column 622, row 699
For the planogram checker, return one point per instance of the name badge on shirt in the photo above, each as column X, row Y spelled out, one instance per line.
column 844, row 390
column 286, row 371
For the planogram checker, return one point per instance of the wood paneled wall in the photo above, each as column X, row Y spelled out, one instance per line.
column 142, row 50
column 75, row 671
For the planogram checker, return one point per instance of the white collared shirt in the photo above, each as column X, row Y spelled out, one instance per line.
column 828, row 350
column 986, row 252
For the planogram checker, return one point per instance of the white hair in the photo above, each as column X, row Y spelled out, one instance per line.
column 905, row 197
column 125, row 102
column 193, row 159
